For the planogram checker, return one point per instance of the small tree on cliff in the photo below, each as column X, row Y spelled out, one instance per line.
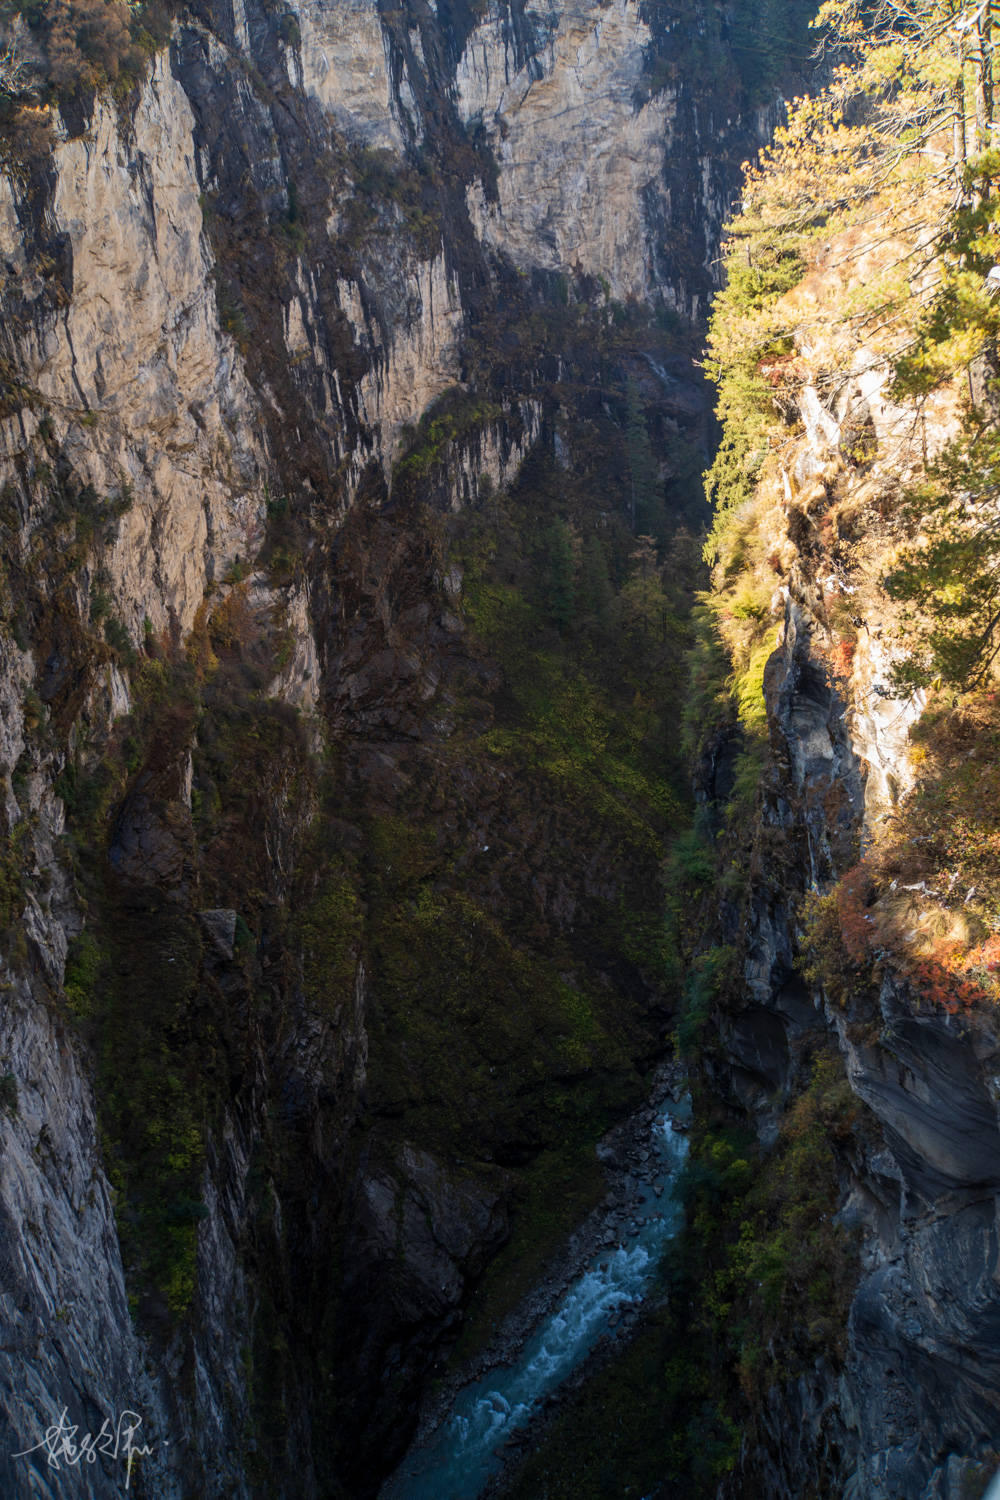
column 561, row 568
column 646, row 501
column 938, row 54
column 90, row 43
column 867, row 166
column 950, row 575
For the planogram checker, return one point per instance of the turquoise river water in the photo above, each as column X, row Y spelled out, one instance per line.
column 455, row 1461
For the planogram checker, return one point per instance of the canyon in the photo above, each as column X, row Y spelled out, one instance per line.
column 351, row 426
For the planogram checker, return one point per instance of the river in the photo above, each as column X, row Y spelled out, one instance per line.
column 455, row 1461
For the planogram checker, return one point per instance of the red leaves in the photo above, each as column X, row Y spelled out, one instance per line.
column 946, row 976
column 943, row 986
column 857, row 927
column 987, row 955
column 783, row 370
column 842, row 657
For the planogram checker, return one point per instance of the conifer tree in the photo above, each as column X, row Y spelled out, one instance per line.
column 561, row 570
column 596, row 592
column 951, row 576
column 646, row 499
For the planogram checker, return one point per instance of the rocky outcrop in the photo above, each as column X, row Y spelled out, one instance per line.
column 594, row 167
column 343, row 60
column 68, row 1339
column 577, row 160
column 139, row 388
column 235, row 303
column 912, row 1410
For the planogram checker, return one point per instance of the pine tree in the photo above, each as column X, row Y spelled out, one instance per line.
column 561, row 570
column 951, row 576
column 597, row 595
column 645, row 491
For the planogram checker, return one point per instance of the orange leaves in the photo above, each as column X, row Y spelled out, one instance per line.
column 842, row 657
column 935, row 981
column 87, row 42
column 986, row 955
column 857, row 928
column 786, row 371
column 864, row 934
column 234, row 626
column 923, row 902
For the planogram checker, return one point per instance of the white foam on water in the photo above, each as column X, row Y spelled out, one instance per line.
column 464, row 1451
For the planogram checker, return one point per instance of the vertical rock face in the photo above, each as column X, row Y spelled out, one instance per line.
column 415, row 364
column 226, row 303
column 141, row 388
column 134, row 391
column 580, row 161
column 344, row 62
column 68, row 1338
column 913, row 1409
column 595, row 172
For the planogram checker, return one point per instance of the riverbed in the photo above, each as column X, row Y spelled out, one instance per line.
column 457, row 1459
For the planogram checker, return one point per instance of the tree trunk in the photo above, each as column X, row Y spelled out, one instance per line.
column 984, row 75
column 960, row 148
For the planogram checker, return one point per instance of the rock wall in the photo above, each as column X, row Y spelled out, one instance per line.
column 228, row 302
column 139, row 384
column 594, row 172
column 911, row 1411
column 577, row 160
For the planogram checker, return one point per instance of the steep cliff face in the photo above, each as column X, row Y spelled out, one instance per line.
column 913, row 1410
column 831, row 1324
column 839, row 945
column 324, row 276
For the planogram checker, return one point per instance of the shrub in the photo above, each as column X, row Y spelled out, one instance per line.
column 119, row 640
column 87, row 43
column 926, row 897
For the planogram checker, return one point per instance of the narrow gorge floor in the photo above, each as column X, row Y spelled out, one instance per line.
column 496, row 593
column 456, row 1458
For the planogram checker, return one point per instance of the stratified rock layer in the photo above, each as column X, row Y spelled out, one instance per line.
column 226, row 304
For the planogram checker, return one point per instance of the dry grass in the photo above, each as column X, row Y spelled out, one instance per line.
column 926, row 897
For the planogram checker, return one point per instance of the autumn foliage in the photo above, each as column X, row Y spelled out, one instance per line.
column 87, row 42
column 85, row 45
column 925, row 900
column 842, row 657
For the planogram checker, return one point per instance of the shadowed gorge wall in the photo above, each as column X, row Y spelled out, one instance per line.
column 356, row 647
column 349, row 441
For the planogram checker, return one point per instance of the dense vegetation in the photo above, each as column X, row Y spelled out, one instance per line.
column 488, row 844
column 524, row 980
column 67, row 47
column 859, row 259
column 850, row 255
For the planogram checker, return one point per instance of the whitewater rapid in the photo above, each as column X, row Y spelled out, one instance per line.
column 455, row 1461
